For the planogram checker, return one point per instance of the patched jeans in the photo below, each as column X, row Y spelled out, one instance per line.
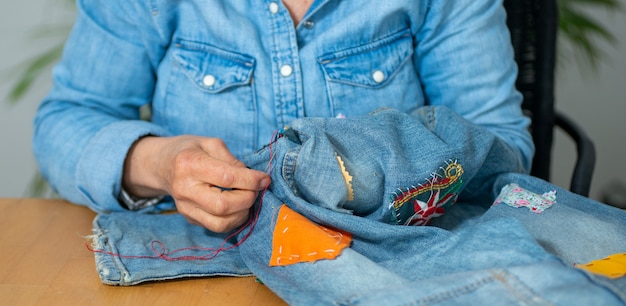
column 434, row 208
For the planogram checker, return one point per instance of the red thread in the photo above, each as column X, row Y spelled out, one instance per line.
column 161, row 251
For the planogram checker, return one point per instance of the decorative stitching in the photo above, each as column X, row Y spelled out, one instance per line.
column 613, row 266
column 346, row 177
column 429, row 198
column 297, row 239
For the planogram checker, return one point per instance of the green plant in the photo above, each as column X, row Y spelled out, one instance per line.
column 578, row 30
column 30, row 70
column 580, row 33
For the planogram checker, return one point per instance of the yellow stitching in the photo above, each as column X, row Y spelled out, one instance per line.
column 346, row 177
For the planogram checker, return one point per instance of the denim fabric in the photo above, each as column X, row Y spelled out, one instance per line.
column 546, row 283
column 576, row 229
column 386, row 153
column 499, row 257
column 213, row 68
column 133, row 234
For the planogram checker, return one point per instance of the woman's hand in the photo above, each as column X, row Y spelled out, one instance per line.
column 210, row 186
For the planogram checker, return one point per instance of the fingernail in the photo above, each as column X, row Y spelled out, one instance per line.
column 265, row 182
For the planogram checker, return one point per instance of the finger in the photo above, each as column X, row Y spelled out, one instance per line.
column 213, row 200
column 217, row 224
column 218, row 173
column 196, row 165
column 216, row 148
column 218, row 202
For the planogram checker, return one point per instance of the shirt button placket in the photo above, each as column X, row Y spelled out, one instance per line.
column 284, row 52
column 286, row 70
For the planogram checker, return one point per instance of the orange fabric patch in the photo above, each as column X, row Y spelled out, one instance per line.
column 613, row 266
column 297, row 239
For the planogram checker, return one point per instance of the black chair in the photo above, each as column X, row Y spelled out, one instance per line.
column 533, row 25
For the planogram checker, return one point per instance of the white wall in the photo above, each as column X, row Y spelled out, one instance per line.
column 595, row 100
column 17, row 166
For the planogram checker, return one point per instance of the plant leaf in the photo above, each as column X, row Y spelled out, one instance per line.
column 32, row 70
column 582, row 32
column 39, row 188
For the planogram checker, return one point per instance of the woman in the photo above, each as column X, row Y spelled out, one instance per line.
column 222, row 76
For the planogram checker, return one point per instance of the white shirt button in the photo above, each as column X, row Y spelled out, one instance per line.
column 378, row 76
column 208, row 80
column 308, row 24
column 274, row 7
column 286, row 70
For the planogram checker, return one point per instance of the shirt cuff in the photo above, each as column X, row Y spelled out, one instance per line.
column 99, row 170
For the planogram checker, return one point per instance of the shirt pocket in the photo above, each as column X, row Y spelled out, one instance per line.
column 378, row 74
column 212, row 69
column 211, row 92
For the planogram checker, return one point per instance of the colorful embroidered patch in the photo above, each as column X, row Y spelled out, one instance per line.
column 417, row 205
column 516, row 196
column 296, row 239
column 613, row 266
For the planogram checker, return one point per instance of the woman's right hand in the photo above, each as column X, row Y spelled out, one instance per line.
column 210, row 187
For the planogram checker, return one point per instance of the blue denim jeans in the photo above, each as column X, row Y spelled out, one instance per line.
column 428, row 168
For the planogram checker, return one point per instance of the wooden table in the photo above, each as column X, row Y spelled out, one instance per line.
column 44, row 261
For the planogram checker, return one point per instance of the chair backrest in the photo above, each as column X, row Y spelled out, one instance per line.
column 533, row 25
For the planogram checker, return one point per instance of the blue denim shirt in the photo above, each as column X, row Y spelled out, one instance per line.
column 239, row 70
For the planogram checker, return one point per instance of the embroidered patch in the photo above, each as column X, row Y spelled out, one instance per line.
column 516, row 196
column 296, row 239
column 417, row 205
column 613, row 266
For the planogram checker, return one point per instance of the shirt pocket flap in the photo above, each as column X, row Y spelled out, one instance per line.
column 213, row 69
column 370, row 65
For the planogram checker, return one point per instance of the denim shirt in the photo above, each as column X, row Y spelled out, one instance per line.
column 239, row 70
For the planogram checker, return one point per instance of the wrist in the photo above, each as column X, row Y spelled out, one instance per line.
column 141, row 176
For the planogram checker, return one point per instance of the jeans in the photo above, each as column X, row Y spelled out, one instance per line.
column 368, row 176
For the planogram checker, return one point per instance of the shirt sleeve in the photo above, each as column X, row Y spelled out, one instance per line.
column 86, row 125
column 465, row 60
